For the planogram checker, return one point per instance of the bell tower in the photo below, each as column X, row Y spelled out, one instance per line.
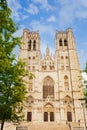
column 31, row 49
column 67, row 66
column 66, row 50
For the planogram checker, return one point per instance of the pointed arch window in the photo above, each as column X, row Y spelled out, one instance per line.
column 67, row 60
column 34, row 45
column 29, row 45
column 30, row 99
column 60, row 42
column 65, row 42
column 48, row 88
column 62, row 62
column 66, row 82
column 67, row 100
column 30, row 88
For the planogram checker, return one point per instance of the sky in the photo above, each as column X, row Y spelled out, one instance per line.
column 47, row 16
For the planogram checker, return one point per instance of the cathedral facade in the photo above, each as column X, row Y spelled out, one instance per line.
column 54, row 92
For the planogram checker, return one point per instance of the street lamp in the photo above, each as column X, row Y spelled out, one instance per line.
column 83, row 107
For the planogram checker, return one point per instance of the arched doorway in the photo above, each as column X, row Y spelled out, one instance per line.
column 69, row 113
column 68, row 104
column 48, row 114
column 69, row 116
column 48, row 88
column 29, row 102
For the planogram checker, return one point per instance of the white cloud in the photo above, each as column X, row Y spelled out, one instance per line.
column 44, row 4
column 82, row 58
column 85, row 43
column 70, row 10
column 51, row 19
column 82, row 13
column 42, row 27
column 83, row 3
column 32, row 9
column 66, row 15
column 84, row 75
column 15, row 6
column 25, row 17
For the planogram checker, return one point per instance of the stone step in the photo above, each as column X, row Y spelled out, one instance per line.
column 43, row 126
column 48, row 126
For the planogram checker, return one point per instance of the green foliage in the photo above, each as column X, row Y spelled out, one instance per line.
column 12, row 89
column 85, row 83
column 12, row 72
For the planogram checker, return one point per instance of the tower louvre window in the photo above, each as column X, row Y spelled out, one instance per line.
column 65, row 42
column 34, row 45
column 60, row 42
column 29, row 45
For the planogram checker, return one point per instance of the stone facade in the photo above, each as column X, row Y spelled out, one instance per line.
column 54, row 93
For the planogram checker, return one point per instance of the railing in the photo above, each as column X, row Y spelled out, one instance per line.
column 78, row 128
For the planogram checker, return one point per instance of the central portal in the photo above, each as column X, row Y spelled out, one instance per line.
column 48, row 113
column 48, row 116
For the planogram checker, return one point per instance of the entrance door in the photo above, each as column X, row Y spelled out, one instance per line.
column 48, row 116
column 29, row 116
column 51, row 116
column 69, row 116
column 45, row 116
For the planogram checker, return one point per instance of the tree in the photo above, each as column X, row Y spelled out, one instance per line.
column 12, row 71
column 85, row 83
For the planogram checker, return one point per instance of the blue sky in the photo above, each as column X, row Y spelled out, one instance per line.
column 47, row 16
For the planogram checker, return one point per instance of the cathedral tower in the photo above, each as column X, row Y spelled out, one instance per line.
column 30, row 50
column 68, row 74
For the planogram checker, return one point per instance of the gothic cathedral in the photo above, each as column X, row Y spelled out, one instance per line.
column 54, row 93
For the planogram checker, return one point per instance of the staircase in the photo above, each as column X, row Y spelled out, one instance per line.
column 75, row 126
column 45, row 126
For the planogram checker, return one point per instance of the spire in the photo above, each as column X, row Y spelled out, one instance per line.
column 47, row 51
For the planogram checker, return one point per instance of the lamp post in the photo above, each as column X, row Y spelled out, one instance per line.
column 83, row 108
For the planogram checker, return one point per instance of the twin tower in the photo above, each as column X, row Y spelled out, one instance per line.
column 54, row 93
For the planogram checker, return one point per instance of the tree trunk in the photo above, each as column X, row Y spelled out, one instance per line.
column 2, row 124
